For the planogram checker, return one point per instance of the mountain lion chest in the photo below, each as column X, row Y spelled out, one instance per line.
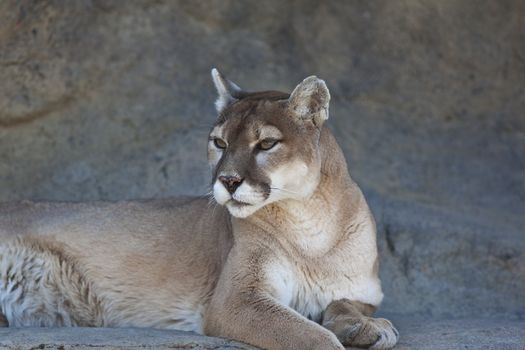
column 309, row 285
column 308, row 288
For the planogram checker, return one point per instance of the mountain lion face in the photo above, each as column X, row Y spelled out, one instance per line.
column 263, row 147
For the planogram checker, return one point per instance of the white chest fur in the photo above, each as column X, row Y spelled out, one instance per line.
column 309, row 285
column 310, row 291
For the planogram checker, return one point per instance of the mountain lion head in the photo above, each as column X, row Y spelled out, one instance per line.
column 264, row 146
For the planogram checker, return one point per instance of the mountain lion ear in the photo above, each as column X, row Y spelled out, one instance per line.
column 309, row 100
column 228, row 91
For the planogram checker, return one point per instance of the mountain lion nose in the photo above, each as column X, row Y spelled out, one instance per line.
column 231, row 182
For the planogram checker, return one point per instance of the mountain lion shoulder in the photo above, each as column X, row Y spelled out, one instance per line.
column 284, row 257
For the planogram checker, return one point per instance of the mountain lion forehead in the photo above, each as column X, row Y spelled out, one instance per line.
column 255, row 130
column 268, row 132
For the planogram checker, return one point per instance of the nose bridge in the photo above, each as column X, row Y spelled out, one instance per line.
column 234, row 163
column 236, row 158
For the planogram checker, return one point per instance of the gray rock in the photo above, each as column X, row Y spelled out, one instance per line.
column 461, row 334
column 110, row 338
column 415, row 334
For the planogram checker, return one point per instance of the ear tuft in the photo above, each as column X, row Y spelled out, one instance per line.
column 310, row 100
column 227, row 90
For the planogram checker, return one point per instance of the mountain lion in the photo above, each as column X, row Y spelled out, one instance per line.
column 285, row 256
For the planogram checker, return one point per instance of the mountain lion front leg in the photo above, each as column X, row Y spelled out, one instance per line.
column 244, row 308
column 353, row 325
column 258, row 320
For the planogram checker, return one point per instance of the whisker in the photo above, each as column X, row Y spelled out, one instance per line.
column 282, row 189
column 209, row 195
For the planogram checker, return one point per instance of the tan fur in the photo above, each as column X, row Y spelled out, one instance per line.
column 288, row 261
column 350, row 321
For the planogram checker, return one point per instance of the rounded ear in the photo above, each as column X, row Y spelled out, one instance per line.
column 228, row 91
column 310, row 100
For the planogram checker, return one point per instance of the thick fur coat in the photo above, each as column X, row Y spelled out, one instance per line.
column 283, row 257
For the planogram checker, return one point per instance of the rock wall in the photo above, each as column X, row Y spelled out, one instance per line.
column 113, row 100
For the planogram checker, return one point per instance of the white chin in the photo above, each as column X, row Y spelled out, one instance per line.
column 241, row 210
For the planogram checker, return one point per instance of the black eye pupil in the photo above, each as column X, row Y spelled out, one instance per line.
column 219, row 143
column 267, row 144
column 263, row 145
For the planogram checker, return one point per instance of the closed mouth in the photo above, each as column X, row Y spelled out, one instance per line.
column 239, row 203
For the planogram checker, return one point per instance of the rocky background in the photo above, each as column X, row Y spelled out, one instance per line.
column 113, row 100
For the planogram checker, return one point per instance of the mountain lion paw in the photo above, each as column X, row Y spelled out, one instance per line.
column 372, row 333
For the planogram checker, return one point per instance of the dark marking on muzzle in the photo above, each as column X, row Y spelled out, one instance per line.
column 231, row 182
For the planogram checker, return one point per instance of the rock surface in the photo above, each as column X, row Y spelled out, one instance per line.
column 113, row 100
column 461, row 334
column 415, row 335
column 110, row 338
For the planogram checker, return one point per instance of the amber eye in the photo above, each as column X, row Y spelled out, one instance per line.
column 221, row 144
column 267, row 144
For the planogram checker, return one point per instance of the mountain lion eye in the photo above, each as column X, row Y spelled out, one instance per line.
column 265, row 145
column 221, row 144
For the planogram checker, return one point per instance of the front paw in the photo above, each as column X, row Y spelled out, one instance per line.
column 368, row 332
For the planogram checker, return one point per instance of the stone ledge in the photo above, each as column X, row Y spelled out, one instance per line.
column 487, row 334
column 110, row 339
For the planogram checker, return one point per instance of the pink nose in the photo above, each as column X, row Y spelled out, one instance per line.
column 231, row 182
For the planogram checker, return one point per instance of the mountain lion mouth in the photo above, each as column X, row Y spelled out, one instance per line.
column 241, row 209
column 239, row 203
